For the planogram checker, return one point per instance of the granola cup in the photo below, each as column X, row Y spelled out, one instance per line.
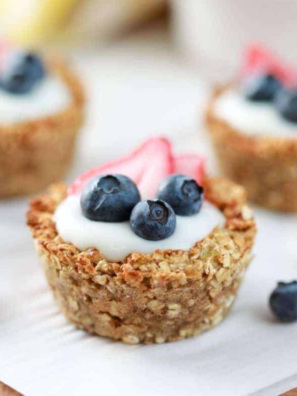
column 149, row 298
column 265, row 166
column 34, row 154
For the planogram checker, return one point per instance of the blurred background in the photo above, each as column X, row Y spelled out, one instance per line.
column 73, row 22
column 213, row 30
column 147, row 65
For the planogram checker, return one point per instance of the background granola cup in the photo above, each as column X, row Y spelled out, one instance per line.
column 150, row 298
column 265, row 166
column 34, row 154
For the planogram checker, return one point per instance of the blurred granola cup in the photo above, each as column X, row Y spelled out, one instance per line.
column 265, row 166
column 36, row 153
column 150, row 298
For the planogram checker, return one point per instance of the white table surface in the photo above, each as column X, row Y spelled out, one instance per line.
column 137, row 88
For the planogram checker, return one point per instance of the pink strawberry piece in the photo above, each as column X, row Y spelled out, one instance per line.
column 192, row 165
column 147, row 166
column 5, row 50
column 259, row 59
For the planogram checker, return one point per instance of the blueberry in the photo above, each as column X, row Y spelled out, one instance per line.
column 153, row 220
column 182, row 193
column 22, row 74
column 109, row 198
column 286, row 104
column 261, row 88
column 283, row 301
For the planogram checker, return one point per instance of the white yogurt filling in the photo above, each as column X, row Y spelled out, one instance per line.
column 252, row 118
column 116, row 240
column 50, row 96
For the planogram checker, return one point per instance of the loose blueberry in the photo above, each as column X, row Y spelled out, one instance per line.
column 109, row 198
column 153, row 220
column 22, row 74
column 286, row 104
column 182, row 193
column 261, row 88
column 283, row 301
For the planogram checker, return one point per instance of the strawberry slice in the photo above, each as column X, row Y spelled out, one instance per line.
column 5, row 51
column 192, row 165
column 147, row 166
column 258, row 59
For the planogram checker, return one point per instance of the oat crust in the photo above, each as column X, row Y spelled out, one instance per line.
column 265, row 166
column 34, row 154
column 150, row 298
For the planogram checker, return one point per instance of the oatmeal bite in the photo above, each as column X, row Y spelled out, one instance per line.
column 41, row 112
column 252, row 123
column 166, row 265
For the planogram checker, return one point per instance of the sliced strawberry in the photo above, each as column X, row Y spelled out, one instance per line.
column 256, row 59
column 5, row 51
column 192, row 165
column 158, row 170
column 259, row 59
column 147, row 166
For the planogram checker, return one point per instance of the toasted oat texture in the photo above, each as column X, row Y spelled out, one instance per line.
column 35, row 153
column 151, row 298
column 265, row 166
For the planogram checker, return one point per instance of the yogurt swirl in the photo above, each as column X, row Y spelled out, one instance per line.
column 252, row 118
column 49, row 97
column 117, row 240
